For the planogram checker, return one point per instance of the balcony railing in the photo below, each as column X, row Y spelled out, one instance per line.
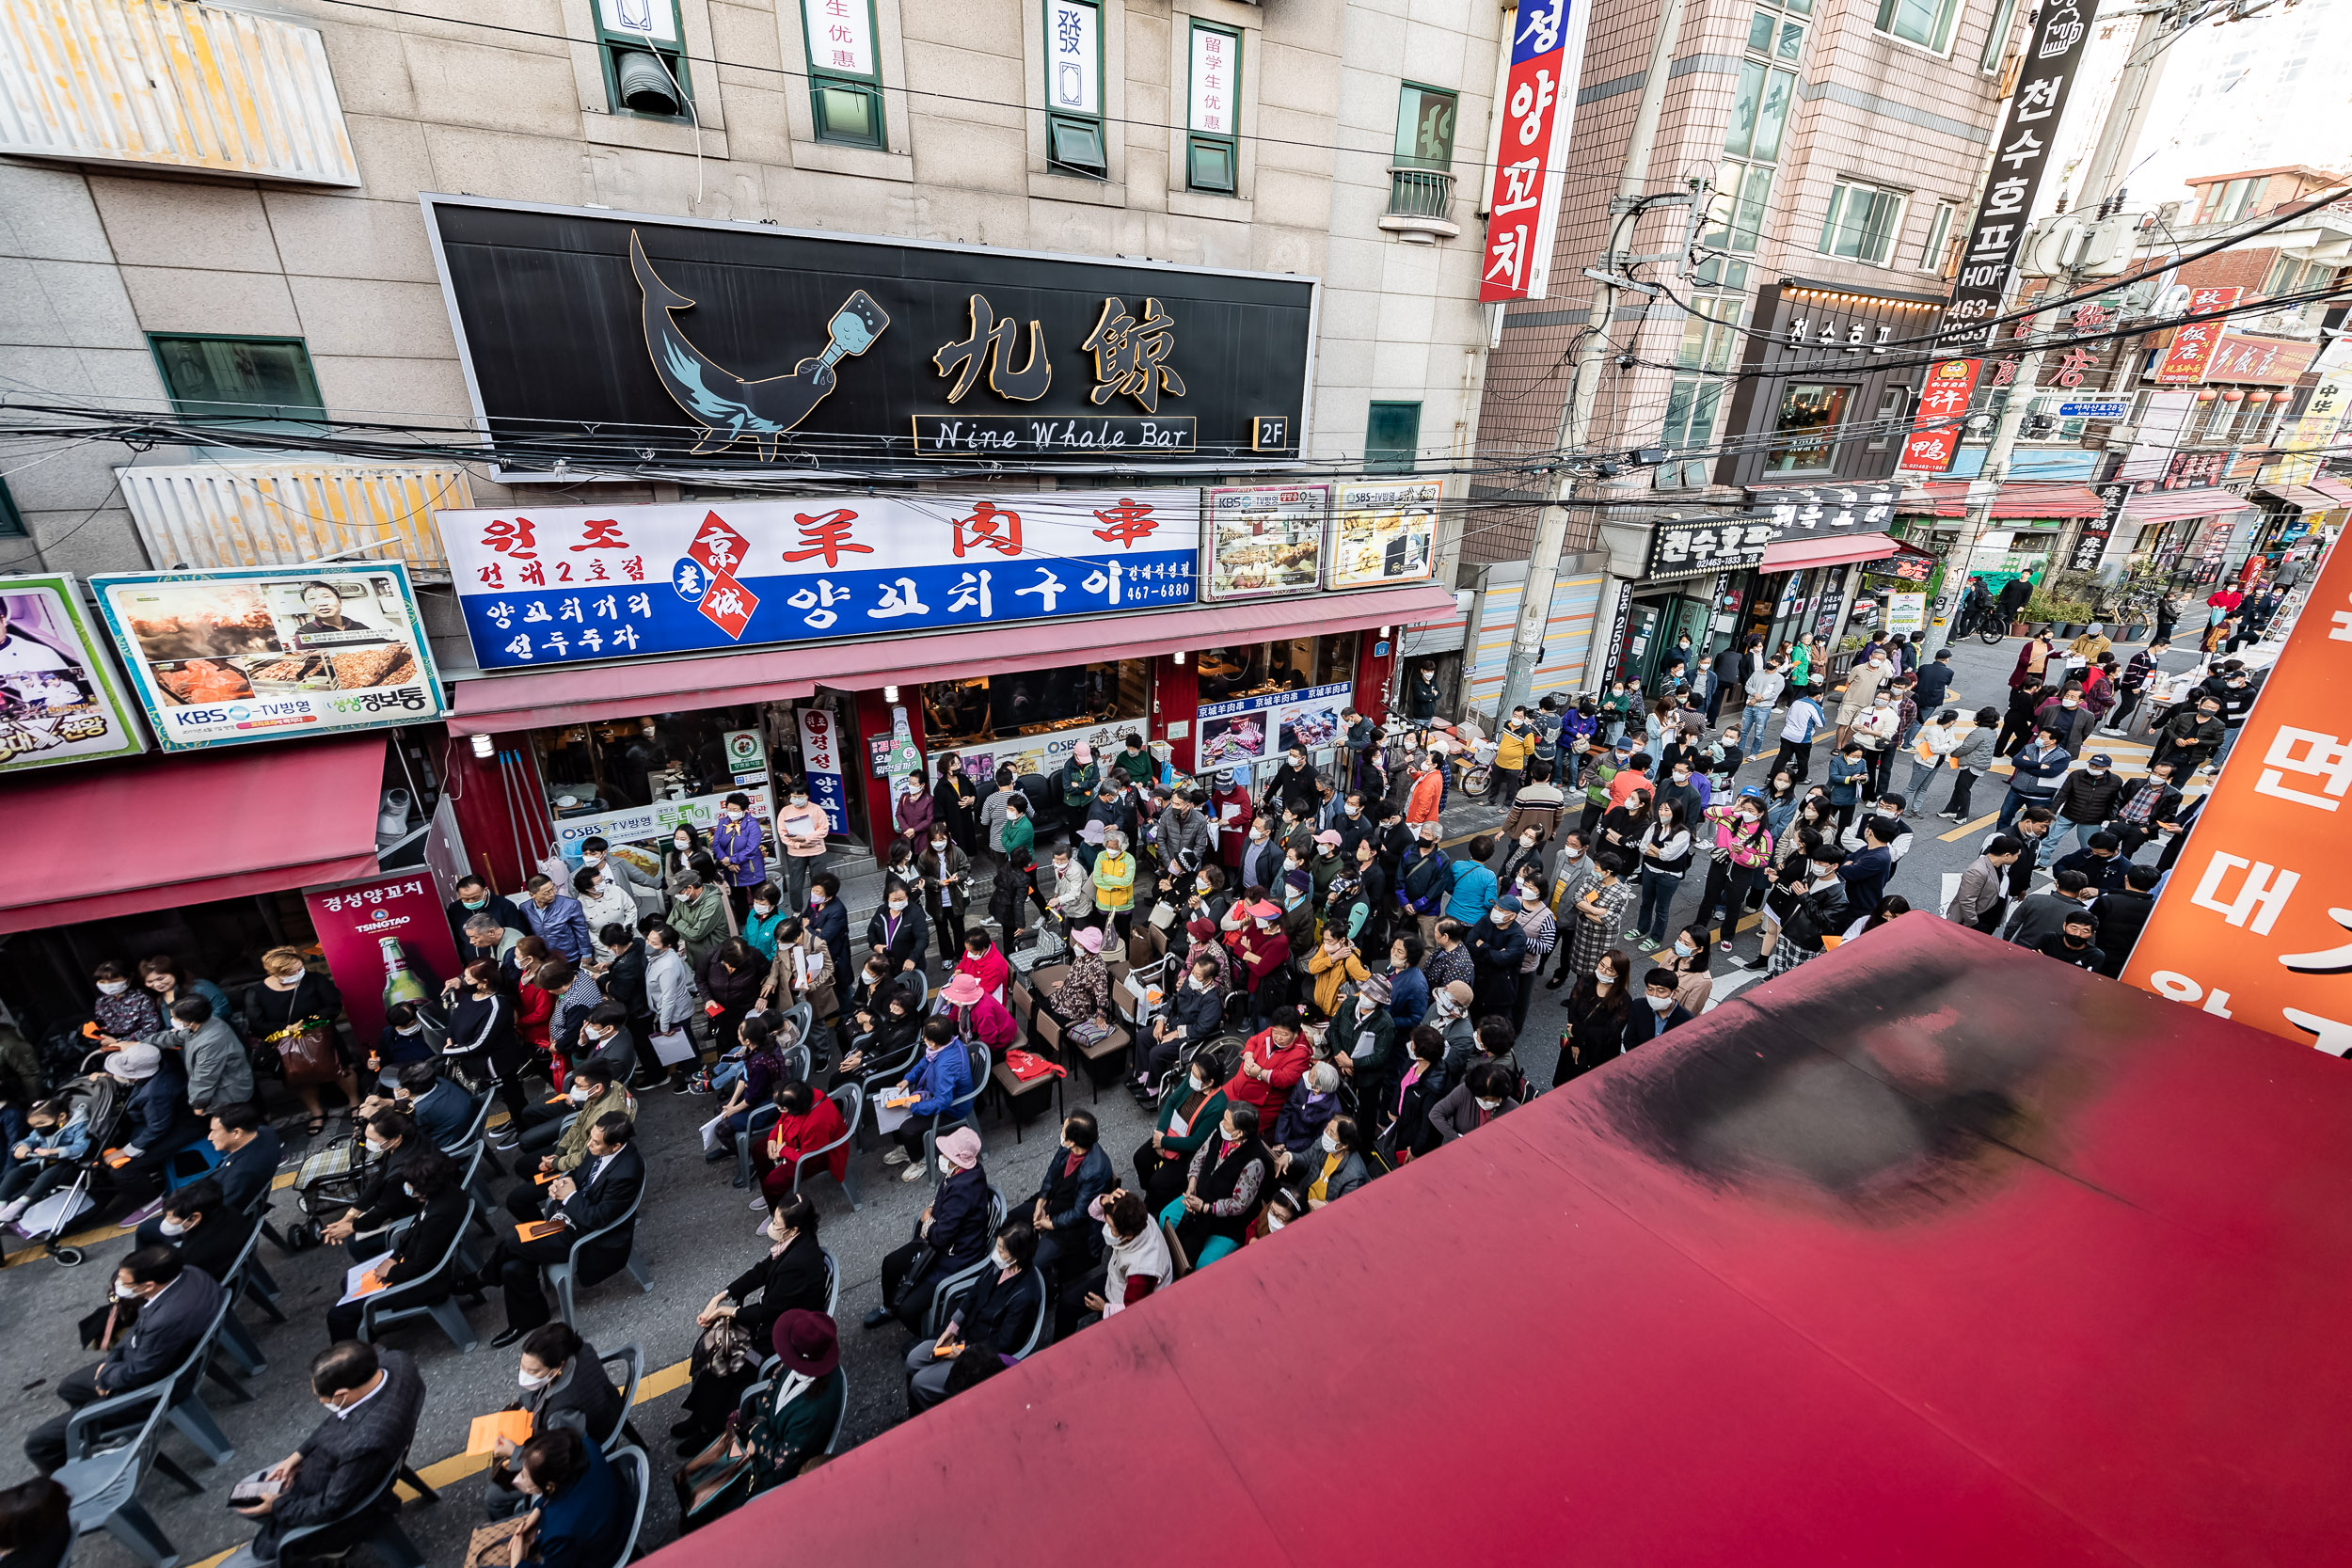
column 282, row 513
column 1419, row 200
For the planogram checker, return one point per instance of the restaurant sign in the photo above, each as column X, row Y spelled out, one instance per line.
column 60, row 700
column 573, row 585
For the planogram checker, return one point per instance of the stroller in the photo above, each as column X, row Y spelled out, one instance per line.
column 104, row 1102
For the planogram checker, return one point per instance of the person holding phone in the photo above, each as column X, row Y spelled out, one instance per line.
column 372, row 1398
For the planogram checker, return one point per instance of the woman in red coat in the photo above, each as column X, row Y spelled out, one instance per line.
column 1275, row 1058
column 985, row 962
column 1232, row 806
column 809, row 1121
column 977, row 1015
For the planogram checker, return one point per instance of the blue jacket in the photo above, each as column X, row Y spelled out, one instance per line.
column 561, row 925
column 960, row 1227
column 1408, row 997
column 69, row 1142
column 938, row 1080
column 1845, row 779
column 157, row 1117
column 584, row 1526
column 1475, row 890
column 736, row 846
column 2038, row 771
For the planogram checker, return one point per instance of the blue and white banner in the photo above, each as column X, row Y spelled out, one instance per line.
column 570, row 585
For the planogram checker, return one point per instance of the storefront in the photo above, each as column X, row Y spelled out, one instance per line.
column 2036, row 529
column 2297, row 515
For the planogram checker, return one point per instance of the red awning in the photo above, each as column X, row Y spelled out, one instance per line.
column 2163, row 506
column 2016, row 499
column 1929, row 1252
column 2336, row 490
column 2304, row 496
column 97, row 842
column 494, row 704
column 1795, row 555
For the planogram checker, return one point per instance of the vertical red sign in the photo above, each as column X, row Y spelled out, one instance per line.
column 1943, row 404
column 352, row 923
column 1531, row 155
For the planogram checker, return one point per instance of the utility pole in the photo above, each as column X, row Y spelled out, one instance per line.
column 1551, row 528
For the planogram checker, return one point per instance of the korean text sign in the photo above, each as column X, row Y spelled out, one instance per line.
column 268, row 653
column 59, row 698
column 1943, row 405
column 352, row 923
column 1532, row 152
column 573, row 584
column 2254, row 923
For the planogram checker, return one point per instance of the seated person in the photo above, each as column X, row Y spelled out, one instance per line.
column 791, row 1424
column 431, row 1180
column 176, row 1306
column 595, row 1090
column 806, row 1121
column 978, row 1016
column 1188, row 1117
column 442, row 1109
column 377, row 1196
column 405, row 1041
column 939, row 1077
column 198, row 1221
column 788, row 1276
column 952, row 1234
column 155, row 1125
column 1194, row 1013
column 764, row 1067
column 49, row 1155
column 249, row 1152
column 580, row 1512
column 372, row 1398
column 1283, row 1207
column 881, row 1037
column 592, row 1198
column 1313, row 1100
column 1136, row 1263
column 563, row 1385
column 1000, row 1310
column 1221, row 1188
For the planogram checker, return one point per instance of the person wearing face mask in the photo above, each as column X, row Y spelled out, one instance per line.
column 431, row 1185
column 156, row 1124
column 899, row 934
column 1876, row 728
column 698, row 915
column 1662, row 1008
column 1483, row 1094
column 2084, row 801
column 2073, row 718
column 939, row 1077
column 1314, row 1100
column 474, row 897
column 123, row 1010
column 1293, row 786
column 788, row 1277
column 685, row 853
column 198, row 1221
column 1222, row 1184
column 996, row 1318
column 1862, row 689
column 1599, row 1010
column 1260, row 858
column 1136, row 1263
column 1186, row 1120
column 603, row 900
column 1818, row 908
column 562, row 1384
column 176, row 1307
column 368, row 1202
column 945, row 871
column 218, row 1071
column 1742, row 847
column 952, row 1234
column 1498, row 949
column 2039, row 769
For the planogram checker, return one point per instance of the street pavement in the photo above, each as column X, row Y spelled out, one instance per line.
column 697, row 1231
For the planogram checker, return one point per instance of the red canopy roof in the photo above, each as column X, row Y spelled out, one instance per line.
column 2021, row 499
column 1795, row 555
column 1931, row 1252
column 120, row 838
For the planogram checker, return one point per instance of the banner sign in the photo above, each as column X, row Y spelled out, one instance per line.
column 571, row 585
column 1943, row 405
column 353, row 921
column 654, row 824
column 1249, row 729
column 2186, row 355
column 2315, row 429
column 1531, row 162
column 1821, row 509
column 714, row 344
column 2264, row 361
column 2045, row 76
column 1693, row 546
column 59, row 698
column 268, row 653
column 820, row 760
column 1384, row 533
column 1265, row 539
column 2252, row 923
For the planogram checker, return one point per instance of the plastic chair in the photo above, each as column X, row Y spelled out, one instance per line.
column 391, row 1542
column 636, row 1472
column 1036, row 1328
column 562, row 1277
column 954, row 1114
column 762, row 1119
column 235, row 1339
column 833, row 1283
column 457, row 1146
column 398, row 1304
column 105, row 1490
column 851, row 1100
column 802, row 1018
column 953, row 1285
column 480, row 1166
column 181, row 1394
column 881, row 1075
column 633, row 1363
column 191, row 1162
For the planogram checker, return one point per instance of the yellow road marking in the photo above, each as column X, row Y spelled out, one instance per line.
column 1967, row 827
column 458, row 1466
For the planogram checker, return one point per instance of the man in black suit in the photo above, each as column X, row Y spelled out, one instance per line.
column 176, row 1307
column 603, row 1189
column 2118, row 917
column 1659, row 1012
column 200, row 1225
column 443, row 1111
column 250, row 1150
column 372, row 1398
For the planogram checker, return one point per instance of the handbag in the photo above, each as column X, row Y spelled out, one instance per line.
column 488, row 1547
column 704, row 1481
column 307, row 1056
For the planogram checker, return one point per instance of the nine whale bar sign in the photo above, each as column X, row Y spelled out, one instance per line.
column 608, row 340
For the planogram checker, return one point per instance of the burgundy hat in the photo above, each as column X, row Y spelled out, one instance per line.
column 808, row 1341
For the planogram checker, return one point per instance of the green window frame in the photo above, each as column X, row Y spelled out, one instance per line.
column 1425, row 124
column 846, row 106
column 1925, row 23
column 613, row 48
column 1391, row 437
column 1076, row 143
column 264, row 382
column 1212, row 158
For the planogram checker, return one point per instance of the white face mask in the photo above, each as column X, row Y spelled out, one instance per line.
column 733, row 816
column 898, row 906
column 1683, row 949
column 1661, row 1003
column 410, row 1188
column 1489, row 1104
column 172, row 1226
column 1602, row 982
column 1330, row 1143
column 685, row 844
column 112, row 987
column 579, row 1093
column 593, row 857
column 373, row 1148
column 1571, row 854
column 125, row 1292
column 525, row 1380
column 1004, row 1259
column 947, row 1166
column 1528, row 840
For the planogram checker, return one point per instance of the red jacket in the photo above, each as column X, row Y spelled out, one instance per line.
column 990, row 969
column 794, row 1137
column 1286, row 1065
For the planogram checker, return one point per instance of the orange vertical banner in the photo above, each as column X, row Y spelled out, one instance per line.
column 2255, row 922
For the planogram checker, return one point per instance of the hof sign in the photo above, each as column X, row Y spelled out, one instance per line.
column 1695, row 547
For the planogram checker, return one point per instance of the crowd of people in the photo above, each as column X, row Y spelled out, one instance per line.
column 1334, row 991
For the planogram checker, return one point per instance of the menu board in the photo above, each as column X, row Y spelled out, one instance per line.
column 60, row 700
column 1252, row 729
column 1384, row 533
column 267, row 653
column 1264, row 539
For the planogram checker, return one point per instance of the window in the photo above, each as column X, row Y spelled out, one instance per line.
column 254, row 381
column 1424, row 128
column 844, row 75
column 1711, row 335
column 1996, row 36
column 1073, row 88
column 1888, row 426
column 1939, row 237
column 2227, row 203
column 1862, row 222
column 1925, row 22
column 2287, row 276
column 645, row 59
column 1393, row 437
column 1002, row 707
column 1213, row 117
column 1806, row 435
column 1765, row 91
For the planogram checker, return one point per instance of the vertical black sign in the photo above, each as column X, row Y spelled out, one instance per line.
column 2044, row 78
column 1612, row 666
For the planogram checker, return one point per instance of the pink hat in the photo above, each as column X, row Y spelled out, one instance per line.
column 962, row 991
column 1085, row 751
column 1265, row 910
column 961, row 1148
column 1327, row 837
column 1088, row 938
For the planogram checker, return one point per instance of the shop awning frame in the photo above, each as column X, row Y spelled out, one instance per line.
column 2336, row 490
column 2302, row 497
column 123, row 838
column 499, row 703
column 2165, row 506
column 1796, row 555
column 2015, row 501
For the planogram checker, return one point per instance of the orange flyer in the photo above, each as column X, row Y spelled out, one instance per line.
column 513, row 1425
column 538, row 1230
column 2254, row 922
